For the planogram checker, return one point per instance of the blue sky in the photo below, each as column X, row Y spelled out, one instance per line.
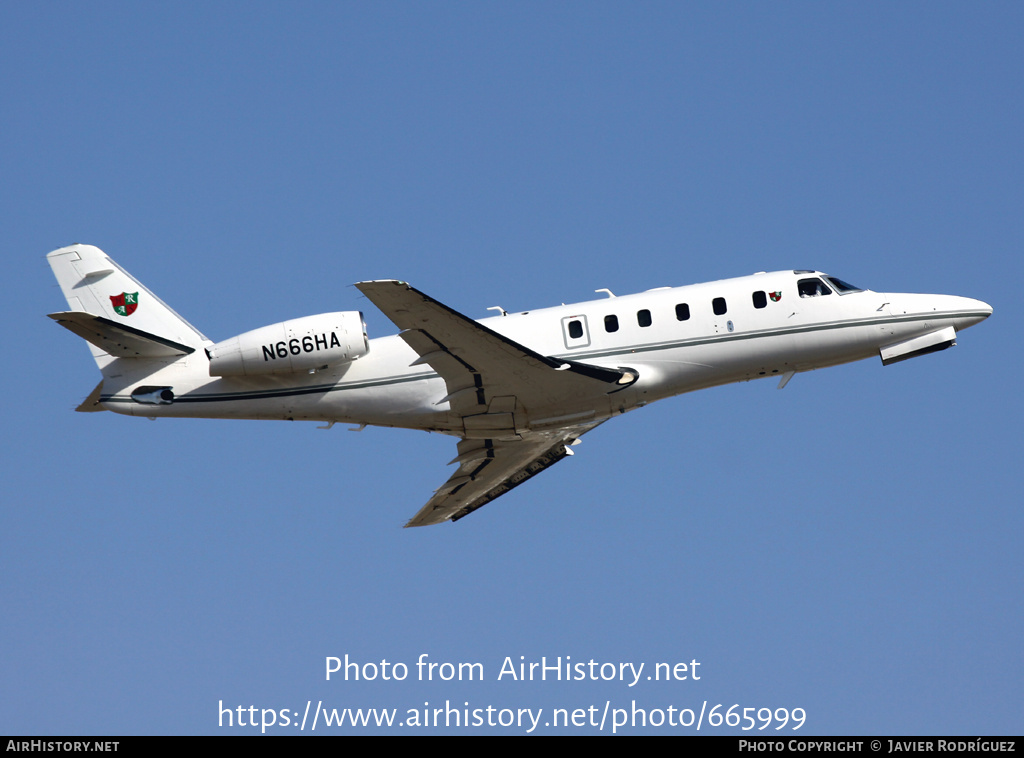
column 849, row 546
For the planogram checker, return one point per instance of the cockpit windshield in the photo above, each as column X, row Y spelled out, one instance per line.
column 842, row 287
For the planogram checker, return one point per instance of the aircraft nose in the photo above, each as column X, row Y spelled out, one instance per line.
column 961, row 311
column 974, row 312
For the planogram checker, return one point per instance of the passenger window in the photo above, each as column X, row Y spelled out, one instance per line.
column 611, row 323
column 760, row 299
column 643, row 317
column 683, row 312
column 812, row 288
column 718, row 306
column 575, row 329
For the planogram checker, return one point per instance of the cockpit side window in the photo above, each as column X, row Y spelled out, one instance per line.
column 812, row 288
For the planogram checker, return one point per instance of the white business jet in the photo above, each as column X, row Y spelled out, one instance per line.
column 518, row 389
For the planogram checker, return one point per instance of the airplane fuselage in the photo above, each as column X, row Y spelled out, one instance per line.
column 676, row 340
column 518, row 390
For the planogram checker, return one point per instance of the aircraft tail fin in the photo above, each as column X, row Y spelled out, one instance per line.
column 115, row 312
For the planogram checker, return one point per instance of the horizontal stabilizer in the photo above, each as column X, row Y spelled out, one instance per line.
column 119, row 340
column 92, row 403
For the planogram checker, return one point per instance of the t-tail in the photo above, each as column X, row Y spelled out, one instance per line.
column 118, row 317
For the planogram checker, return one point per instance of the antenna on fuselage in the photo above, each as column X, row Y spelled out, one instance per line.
column 605, row 289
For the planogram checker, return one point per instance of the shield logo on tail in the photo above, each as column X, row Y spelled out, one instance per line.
column 775, row 296
column 125, row 303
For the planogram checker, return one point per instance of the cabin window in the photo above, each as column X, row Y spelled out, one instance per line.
column 812, row 288
column 575, row 331
column 643, row 317
column 760, row 299
column 683, row 312
column 611, row 323
column 718, row 306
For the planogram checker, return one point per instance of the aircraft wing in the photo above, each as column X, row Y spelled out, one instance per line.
column 478, row 364
column 490, row 468
column 490, row 380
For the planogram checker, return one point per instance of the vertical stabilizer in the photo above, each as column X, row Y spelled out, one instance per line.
column 114, row 312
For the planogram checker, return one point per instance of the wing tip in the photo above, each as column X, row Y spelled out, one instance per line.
column 413, row 523
column 370, row 282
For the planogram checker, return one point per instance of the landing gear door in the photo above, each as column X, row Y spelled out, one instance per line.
column 575, row 331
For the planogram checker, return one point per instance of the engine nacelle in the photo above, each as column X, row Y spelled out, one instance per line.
column 302, row 344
